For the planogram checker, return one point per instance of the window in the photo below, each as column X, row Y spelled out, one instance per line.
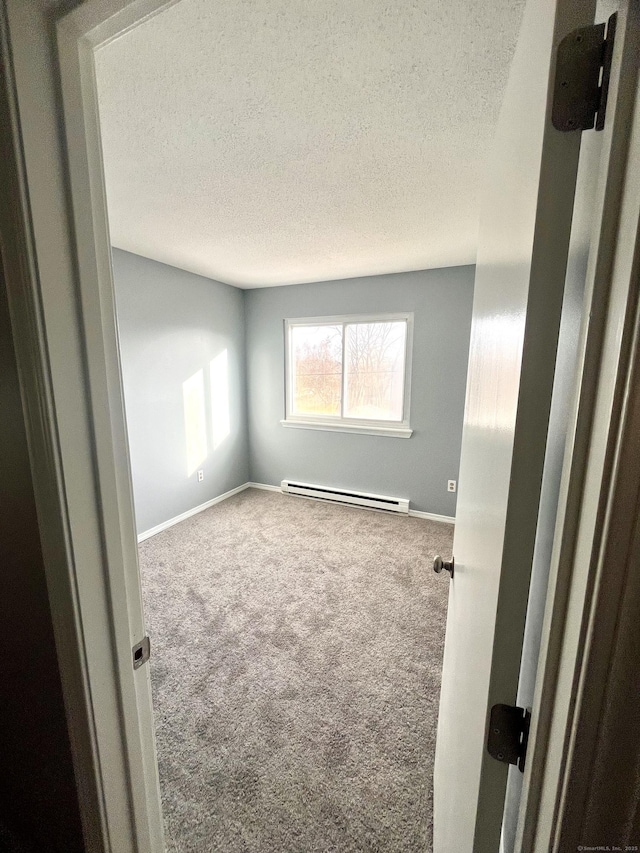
column 349, row 374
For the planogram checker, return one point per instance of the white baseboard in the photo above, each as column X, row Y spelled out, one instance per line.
column 415, row 513
column 264, row 487
column 431, row 516
column 183, row 516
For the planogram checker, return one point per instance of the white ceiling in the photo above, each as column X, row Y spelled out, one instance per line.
column 265, row 142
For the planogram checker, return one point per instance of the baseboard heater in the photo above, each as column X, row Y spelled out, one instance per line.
column 343, row 496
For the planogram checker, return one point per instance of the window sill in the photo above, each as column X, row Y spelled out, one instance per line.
column 364, row 429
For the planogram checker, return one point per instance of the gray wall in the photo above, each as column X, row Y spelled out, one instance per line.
column 172, row 324
column 417, row 468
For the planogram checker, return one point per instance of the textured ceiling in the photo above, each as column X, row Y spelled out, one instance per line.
column 264, row 142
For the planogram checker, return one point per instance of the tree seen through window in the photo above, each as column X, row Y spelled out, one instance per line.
column 350, row 370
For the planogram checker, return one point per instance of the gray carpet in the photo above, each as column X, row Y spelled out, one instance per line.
column 296, row 656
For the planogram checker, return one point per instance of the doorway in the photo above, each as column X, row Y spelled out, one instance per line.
column 191, row 349
column 94, row 311
column 296, row 643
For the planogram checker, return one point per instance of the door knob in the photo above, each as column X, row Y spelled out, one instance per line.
column 439, row 564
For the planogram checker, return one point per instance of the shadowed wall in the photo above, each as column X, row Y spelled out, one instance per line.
column 38, row 800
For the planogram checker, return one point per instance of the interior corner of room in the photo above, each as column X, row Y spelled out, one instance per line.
column 177, row 328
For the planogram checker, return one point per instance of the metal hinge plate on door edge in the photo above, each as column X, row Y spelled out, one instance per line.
column 141, row 652
column 509, row 734
column 583, row 67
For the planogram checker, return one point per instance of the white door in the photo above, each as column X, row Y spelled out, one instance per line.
column 524, row 239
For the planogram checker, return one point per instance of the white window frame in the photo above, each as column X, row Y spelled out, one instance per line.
column 337, row 423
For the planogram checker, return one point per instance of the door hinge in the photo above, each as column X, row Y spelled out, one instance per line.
column 509, row 734
column 583, row 67
column 141, row 652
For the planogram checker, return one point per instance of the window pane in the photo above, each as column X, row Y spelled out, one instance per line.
column 316, row 359
column 375, row 354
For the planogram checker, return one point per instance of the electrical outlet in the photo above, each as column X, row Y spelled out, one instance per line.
column 451, row 485
column 200, row 476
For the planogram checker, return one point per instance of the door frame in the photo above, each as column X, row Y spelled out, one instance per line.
column 62, row 309
column 61, row 301
column 595, row 512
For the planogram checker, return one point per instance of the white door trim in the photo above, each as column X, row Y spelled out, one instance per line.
column 80, row 34
column 77, row 431
column 18, row 261
column 608, row 335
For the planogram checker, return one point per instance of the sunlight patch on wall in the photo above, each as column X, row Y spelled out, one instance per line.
column 220, row 418
column 195, row 421
column 492, row 403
